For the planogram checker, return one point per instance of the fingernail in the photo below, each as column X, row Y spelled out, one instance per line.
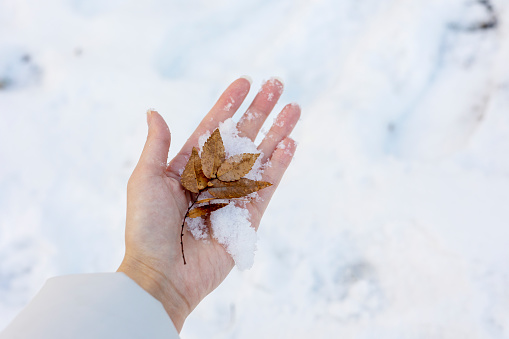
column 149, row 115
column 278, row 79
column 248, row 78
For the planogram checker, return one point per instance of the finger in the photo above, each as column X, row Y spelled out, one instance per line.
column 279, row 162
column 225, row 107
column 282, row 127
column 252, row 120
column 155, row 152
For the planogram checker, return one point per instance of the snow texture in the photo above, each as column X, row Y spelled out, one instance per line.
column 232, row 229
column 250, row 115
column 198, row 228
column 404, row 114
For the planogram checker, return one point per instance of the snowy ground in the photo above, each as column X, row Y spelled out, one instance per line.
column 392, row 222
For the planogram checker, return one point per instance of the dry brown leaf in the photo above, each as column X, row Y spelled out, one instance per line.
column 236, row 167
column 213, row 154
column 204, row 210
column 201, row 179
column 188, row 177
column 235, row 189
column 192, row 177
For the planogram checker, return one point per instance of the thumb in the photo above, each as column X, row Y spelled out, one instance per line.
column 155, row 152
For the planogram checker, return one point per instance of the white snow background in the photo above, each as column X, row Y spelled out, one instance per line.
column 393, row 220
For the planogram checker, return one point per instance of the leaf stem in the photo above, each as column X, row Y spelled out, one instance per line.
column 182, row 229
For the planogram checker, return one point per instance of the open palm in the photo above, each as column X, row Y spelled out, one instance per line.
column 157, row 203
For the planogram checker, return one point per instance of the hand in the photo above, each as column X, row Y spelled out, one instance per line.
column 157, row 203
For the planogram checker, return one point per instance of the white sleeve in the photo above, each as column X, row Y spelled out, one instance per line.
column 102, row 305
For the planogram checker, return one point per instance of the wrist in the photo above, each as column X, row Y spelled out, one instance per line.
column 157, row 285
